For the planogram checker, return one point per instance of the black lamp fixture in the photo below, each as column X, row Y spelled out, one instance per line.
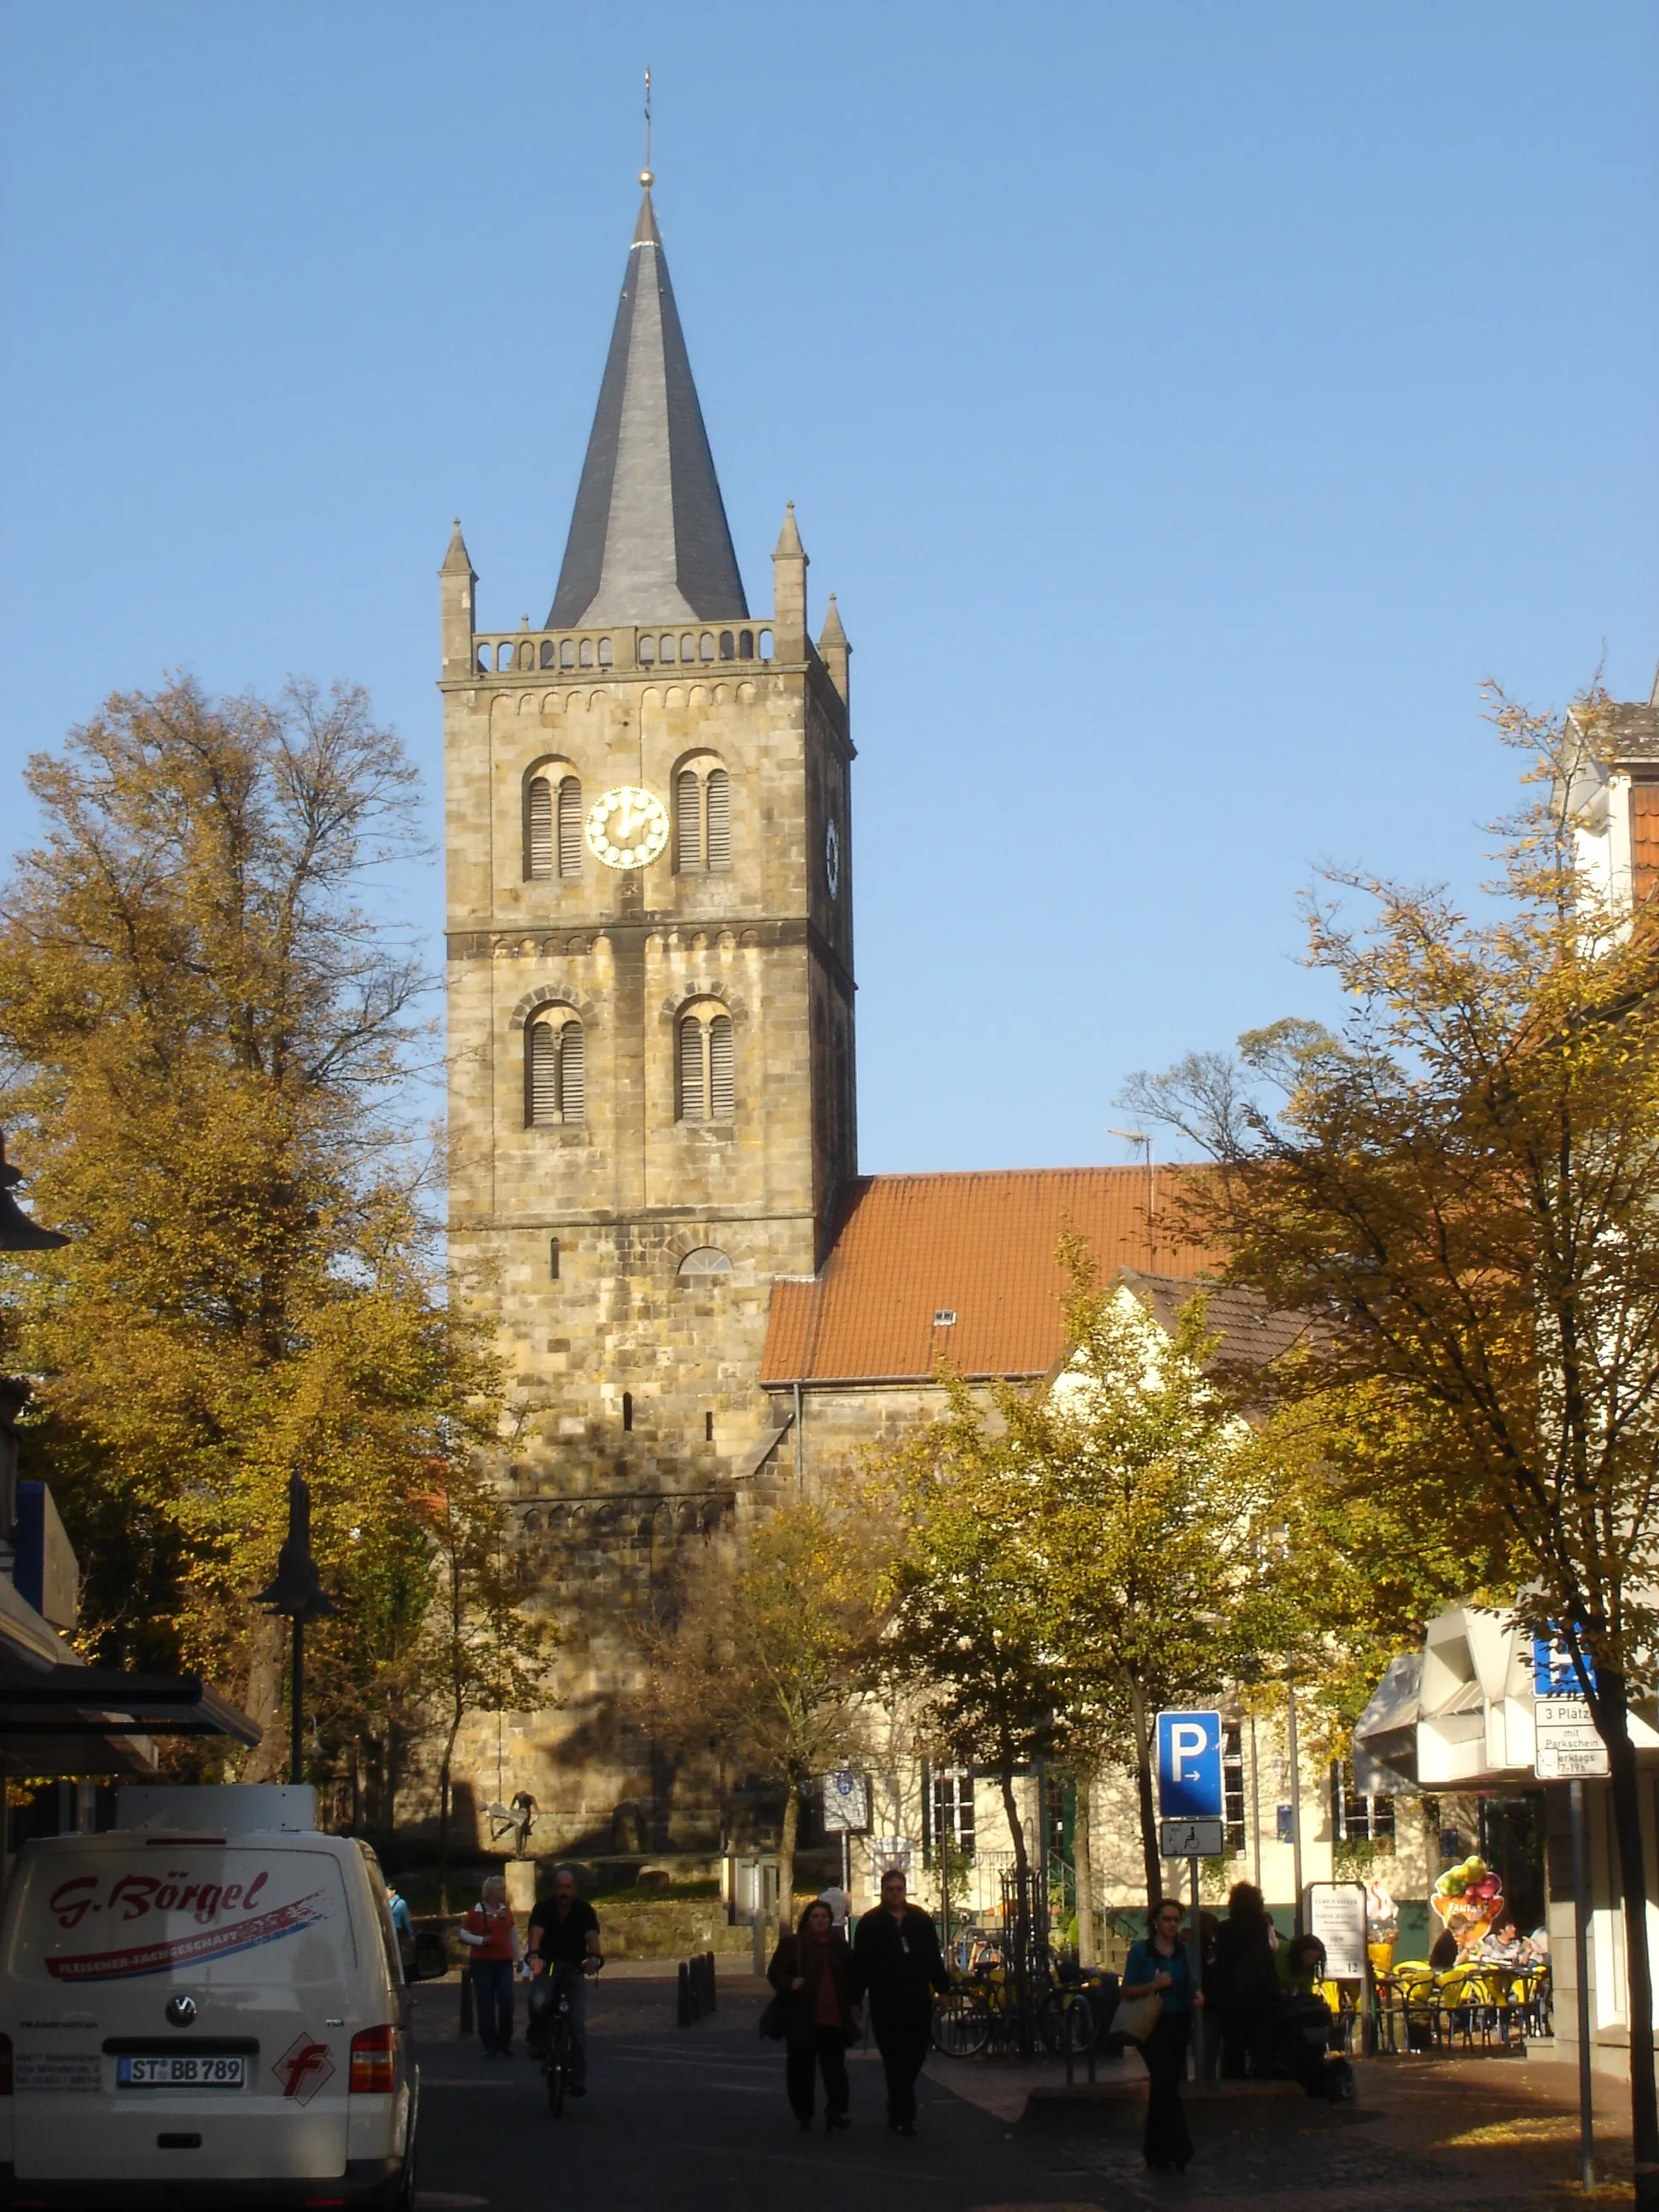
column 18, row 1232
column 297, row 1591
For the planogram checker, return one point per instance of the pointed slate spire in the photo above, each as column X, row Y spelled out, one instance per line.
column 648, row 540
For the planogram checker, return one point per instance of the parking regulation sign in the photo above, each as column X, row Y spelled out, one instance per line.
column 1189, row 1783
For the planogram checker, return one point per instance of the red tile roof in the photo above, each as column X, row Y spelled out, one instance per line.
column 979, row 1246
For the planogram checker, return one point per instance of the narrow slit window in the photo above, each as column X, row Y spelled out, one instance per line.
column 570, row 826
column 688, row 807
column 709, row 1428
column 538, row 830
column 628, row 1410
column 553, row 1261
column 720, row 821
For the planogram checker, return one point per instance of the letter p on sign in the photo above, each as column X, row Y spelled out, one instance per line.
column 1189, row 1781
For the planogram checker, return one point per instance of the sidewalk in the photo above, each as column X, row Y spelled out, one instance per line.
column 1424, row 2134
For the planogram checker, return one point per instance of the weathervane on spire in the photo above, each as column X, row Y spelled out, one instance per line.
column 646, row 177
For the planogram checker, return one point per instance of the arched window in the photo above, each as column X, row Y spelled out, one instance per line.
column 702, row 810
column 549, row 652
column 706, row 1085
column 570, row 826
column 665, row 648
column 707, row 1260
column 647, row 651
column 553, row 1072
column 728, row 645
column 538, row 830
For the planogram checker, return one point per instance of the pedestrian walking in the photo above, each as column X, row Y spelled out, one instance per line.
column 896, row 1964
column 1243, row 1986
column 1160, row 1965
column 811, row 1971
column 491, row 1935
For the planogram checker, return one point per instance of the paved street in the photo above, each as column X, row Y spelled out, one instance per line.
column 696, row 2118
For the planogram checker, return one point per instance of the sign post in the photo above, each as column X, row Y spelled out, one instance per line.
column 846, row 1812
column 1336, row 1915
column 1191, row 1798
column 1566, row 1748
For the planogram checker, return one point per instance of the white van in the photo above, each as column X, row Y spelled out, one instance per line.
column 204, row 2007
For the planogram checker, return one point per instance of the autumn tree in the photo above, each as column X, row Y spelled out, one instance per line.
column 205, row 1040
column 770, row 1649
column 1087, row 1553
column 1459, row 1182
column 481, row 1651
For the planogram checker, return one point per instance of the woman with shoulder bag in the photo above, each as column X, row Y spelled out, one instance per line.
column 1160, row 1966
column 811, row 1971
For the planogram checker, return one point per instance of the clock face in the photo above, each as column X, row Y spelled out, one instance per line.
column 832, row 858
column 627, row 828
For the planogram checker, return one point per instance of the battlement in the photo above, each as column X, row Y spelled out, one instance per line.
column 521, row 653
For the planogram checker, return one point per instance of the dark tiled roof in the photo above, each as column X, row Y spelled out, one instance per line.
column 980, row 1246
column 1252, row 1332
column 649, row 540
column 1627, row 732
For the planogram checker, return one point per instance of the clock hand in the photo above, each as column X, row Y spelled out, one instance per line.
column 625, row 816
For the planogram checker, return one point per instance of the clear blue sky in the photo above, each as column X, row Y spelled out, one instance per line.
column 1189, row 404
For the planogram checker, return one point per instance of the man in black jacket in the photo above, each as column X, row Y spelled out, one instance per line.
column 896, row 1963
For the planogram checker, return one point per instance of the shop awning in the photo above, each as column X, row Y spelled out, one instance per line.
column 99, row 1720
column 1385, row 1735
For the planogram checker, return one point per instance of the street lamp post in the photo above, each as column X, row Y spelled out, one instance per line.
column 298, row 1592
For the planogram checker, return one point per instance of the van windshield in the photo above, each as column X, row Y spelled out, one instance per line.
column 226, row 1915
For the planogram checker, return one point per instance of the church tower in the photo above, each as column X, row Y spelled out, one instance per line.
column 650, row 1035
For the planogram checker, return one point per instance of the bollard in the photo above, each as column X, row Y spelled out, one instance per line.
column 466, row 2001
column 683, row 2014
column 711, row 1982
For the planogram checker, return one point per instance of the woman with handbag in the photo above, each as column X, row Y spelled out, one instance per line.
column 811, row 1971
column 1160, row 1968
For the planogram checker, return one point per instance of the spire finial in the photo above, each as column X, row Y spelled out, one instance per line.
column 646, row 177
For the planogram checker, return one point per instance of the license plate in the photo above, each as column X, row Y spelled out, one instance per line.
column 183, row 2070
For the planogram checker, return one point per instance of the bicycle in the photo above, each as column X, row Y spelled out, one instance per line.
column 557, row 2057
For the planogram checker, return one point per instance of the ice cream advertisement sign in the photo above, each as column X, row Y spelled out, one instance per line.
column 134, row 1922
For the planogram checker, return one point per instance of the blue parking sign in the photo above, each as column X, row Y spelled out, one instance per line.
column 1189, row 1784
column 1553, row 1673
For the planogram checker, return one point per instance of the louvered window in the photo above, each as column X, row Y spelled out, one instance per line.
column 543, row 1075
column 553, row 1074
column 689, row 808
column 572, row 1088
column 691, row 1088
column 538, row 831
column 570, row 826
column 721, row 1096
column 720, row 821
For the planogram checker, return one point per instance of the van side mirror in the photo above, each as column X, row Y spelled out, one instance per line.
column 430, row 1960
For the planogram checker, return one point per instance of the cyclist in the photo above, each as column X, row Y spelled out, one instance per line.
column 564, row 1945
